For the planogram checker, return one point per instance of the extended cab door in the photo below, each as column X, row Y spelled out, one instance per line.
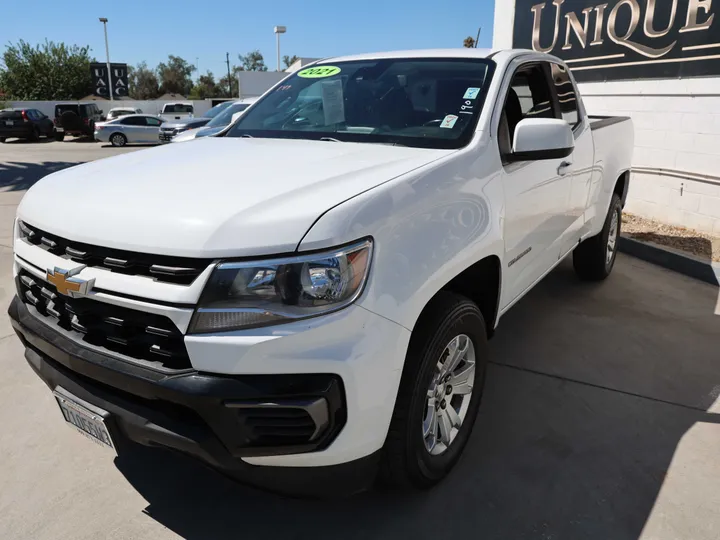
column 583, row 157
column 536, row 192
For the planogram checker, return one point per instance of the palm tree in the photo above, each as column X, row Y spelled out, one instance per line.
column 469, row 42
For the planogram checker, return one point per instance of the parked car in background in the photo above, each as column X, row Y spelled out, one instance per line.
column 172, row 127
column 217, row 124
column 176, row 111
column 117, row 112
column 76, row 119
column 28, row 124
column 217, row 109
column 129, row 129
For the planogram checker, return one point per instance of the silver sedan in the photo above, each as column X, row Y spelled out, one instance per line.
column 130, row 129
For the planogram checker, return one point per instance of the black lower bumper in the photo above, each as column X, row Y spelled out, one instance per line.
column 218, row 419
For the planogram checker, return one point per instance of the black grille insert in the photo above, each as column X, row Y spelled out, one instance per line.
column 180, row 270
column 135, row 334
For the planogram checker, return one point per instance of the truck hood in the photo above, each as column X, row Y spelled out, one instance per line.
column 217, row 197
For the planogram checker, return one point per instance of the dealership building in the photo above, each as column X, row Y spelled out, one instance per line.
column 657, row 61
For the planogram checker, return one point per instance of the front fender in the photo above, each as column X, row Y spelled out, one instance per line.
column 428, row 227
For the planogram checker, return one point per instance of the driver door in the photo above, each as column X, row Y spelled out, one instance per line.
column 536, row 192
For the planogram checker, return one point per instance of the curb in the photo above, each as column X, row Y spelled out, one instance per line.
column 693, row 267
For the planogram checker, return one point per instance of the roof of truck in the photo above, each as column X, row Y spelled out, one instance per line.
column 460, row 52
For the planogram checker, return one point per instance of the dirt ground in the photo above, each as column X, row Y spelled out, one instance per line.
column 701, row 245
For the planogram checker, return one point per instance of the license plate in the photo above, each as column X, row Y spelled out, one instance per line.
column 60, row 130
column 85, row 418
column 9, row 122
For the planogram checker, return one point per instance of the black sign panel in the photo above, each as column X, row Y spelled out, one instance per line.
column 118, row 80
column 623, row 39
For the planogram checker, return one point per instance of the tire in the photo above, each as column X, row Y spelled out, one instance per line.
column 594, row 259
column 35, row 137
column 118, row 139
column 407, row 461
column 3, row 139
column 59, row 136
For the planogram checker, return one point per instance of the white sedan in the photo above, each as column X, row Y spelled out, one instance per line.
column 130, row 129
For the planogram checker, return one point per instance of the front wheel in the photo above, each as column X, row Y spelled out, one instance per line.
column 118, row 139
column 594, row 259
column 59, row 136
column 439, row 394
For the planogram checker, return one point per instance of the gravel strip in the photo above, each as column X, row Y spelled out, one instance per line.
column 702, row 245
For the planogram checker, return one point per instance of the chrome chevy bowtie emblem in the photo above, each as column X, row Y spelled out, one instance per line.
column 68, row 285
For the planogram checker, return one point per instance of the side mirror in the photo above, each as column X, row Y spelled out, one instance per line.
column 235, row 116
column 542, row 138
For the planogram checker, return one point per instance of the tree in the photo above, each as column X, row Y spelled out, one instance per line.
column 289, row 60
column 229, row 86
column 469, row 42
column 253, row 61
column 175, row 76
column 205, row 87
column 51, row 71
column 143, row 82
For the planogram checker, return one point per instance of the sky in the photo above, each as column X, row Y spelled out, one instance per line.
column 202, row 32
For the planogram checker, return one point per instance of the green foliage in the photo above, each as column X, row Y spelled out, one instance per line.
column 206, row 87
column 253, row 61
column 289, row 60
column 51, row 71
column 175, row 76
column 143, row 82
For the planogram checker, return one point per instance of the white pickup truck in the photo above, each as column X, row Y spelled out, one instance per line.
column 304, row 302
column 176, row 111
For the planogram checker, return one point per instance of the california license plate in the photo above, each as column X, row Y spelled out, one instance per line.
column 59, row 129
column 9, row 122
column 85, row 418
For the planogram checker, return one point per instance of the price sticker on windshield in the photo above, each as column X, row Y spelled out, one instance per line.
column 319, row 72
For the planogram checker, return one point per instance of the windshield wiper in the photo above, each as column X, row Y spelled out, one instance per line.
column 331, row 139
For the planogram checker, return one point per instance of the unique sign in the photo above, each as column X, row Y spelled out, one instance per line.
column 118, row 80
column 623, row 39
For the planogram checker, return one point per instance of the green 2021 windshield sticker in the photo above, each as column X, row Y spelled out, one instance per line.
column 318, row 72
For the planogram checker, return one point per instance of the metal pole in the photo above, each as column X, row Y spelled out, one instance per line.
column 277, row 34
column 478, row 37
column 107, row 52
column 227, row 60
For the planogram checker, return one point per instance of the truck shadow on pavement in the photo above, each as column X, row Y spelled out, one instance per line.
column 591, row 389
column 18, row 176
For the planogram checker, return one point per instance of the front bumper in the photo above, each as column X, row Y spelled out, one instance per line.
column 196, row 413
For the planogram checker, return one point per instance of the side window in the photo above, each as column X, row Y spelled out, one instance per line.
column 566, row 95
column 528, row 97
column 152, row 121
column 133, row 121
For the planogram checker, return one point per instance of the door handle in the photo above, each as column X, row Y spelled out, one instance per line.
column 564, row 168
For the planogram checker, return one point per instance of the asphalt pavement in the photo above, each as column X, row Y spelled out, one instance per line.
column 599, row 421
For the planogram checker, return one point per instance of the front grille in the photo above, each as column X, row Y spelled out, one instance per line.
column 135, row 334
column 180, row 270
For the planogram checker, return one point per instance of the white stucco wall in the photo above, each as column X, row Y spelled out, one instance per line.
column 676, row 163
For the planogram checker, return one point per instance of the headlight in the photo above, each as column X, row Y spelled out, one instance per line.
column 260, row 293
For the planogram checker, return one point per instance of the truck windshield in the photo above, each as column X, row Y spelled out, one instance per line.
column 424, row 102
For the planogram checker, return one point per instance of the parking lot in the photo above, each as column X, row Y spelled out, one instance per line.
column 599, row 421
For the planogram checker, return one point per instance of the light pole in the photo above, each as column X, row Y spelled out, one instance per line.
column 279, row 30
column 107, row 53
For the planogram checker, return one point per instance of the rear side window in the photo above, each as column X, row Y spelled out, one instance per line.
column 60, row 109
column 152, row 121
column 133, row 121
column 566, row 95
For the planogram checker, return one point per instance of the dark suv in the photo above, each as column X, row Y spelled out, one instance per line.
column 28, row 124
column 76, row 119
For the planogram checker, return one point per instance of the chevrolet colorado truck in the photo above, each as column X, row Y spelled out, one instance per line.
column 304, row 301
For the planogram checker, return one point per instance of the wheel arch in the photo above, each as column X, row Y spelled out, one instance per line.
column 481, row 283
column 622, row 186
